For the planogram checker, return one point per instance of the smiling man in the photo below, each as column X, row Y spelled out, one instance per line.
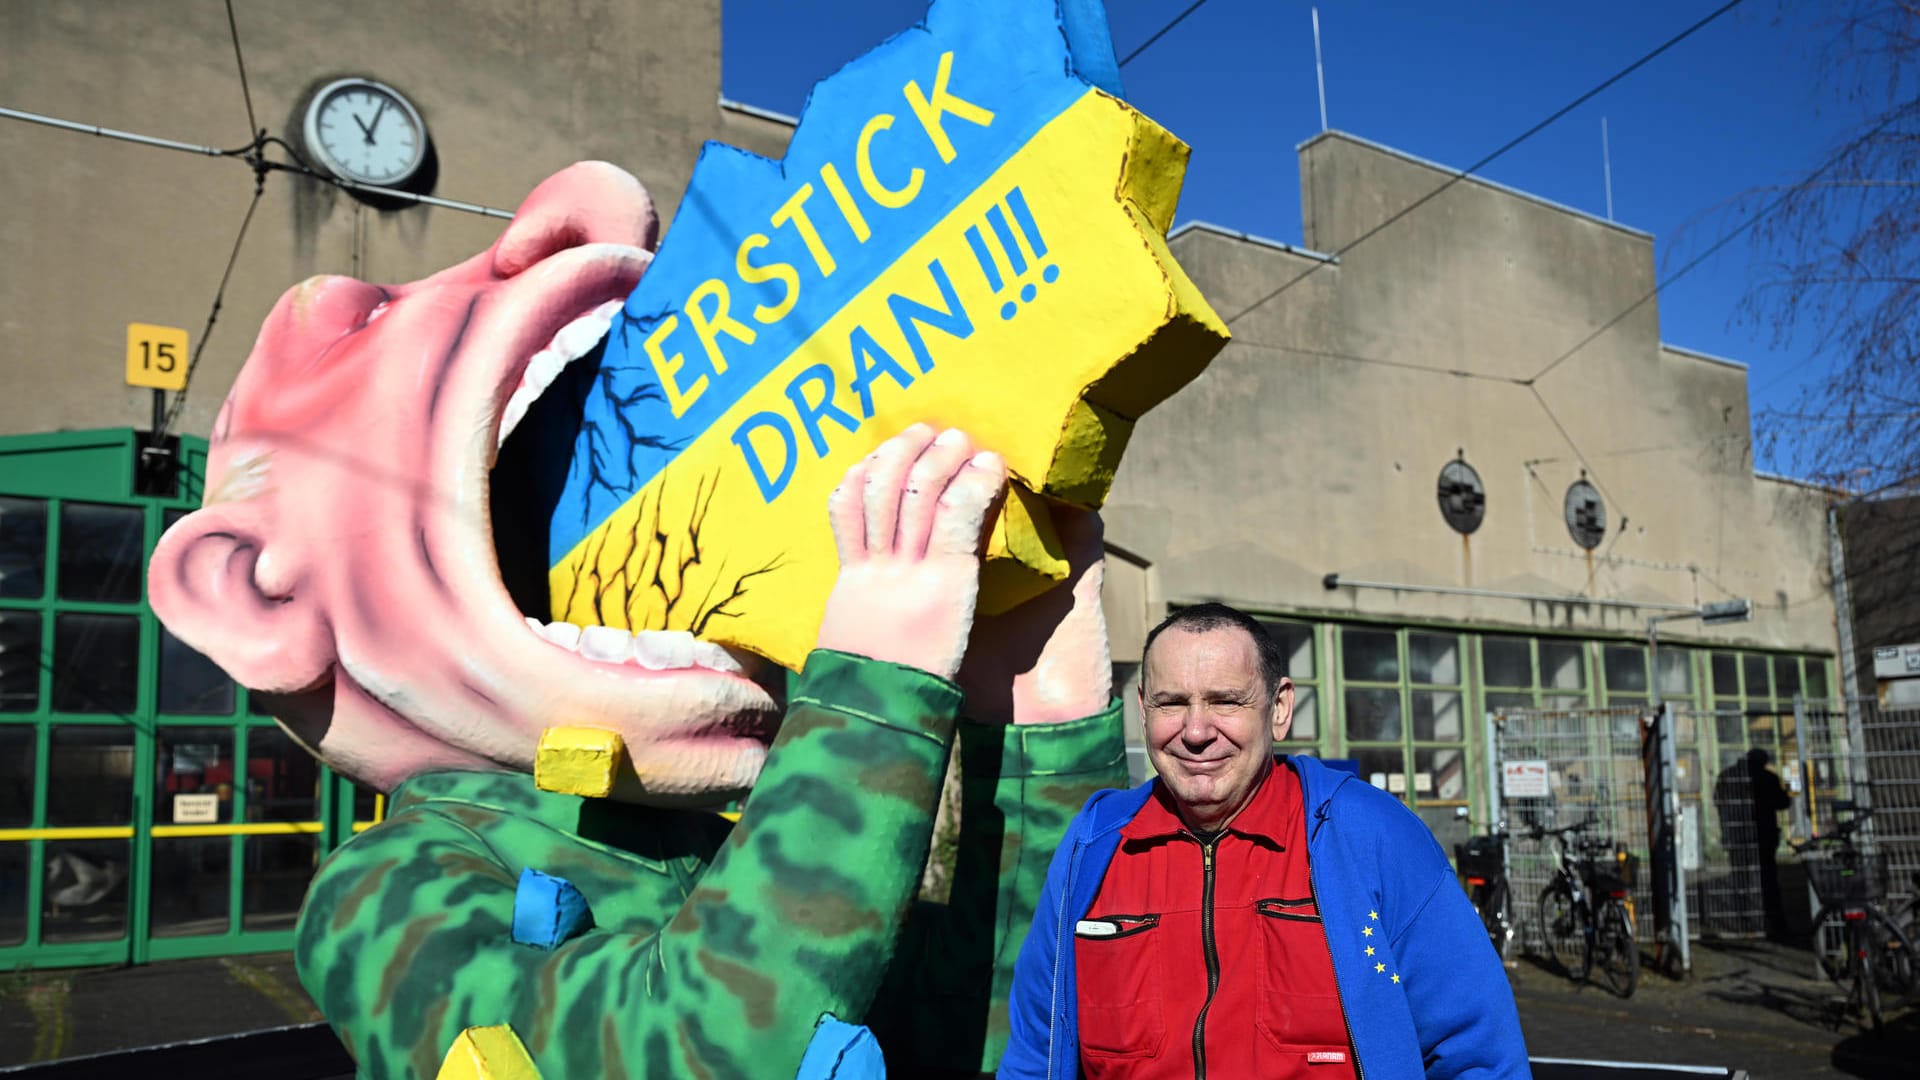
column 1243, row 915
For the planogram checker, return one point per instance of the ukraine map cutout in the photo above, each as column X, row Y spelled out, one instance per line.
column 969, row 230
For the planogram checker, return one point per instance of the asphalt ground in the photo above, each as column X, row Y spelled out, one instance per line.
column 1752, row 1006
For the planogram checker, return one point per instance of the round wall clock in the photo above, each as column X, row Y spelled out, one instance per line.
column 364, row 131
column 1463, row 499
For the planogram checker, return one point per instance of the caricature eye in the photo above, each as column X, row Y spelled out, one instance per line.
column 378, row 310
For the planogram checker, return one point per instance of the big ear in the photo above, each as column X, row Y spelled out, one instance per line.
column 1282, row 709
column 205, row 583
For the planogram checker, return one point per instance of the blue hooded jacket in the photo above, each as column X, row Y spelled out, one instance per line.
column 1451, row 1014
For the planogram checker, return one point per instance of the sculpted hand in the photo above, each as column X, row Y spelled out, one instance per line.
column 908, row 522
column 1047, row 661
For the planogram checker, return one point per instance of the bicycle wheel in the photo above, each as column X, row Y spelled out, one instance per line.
column 1615, row 950
column 1832, row 947
column 1563, row 927
column 1500, row 926
column 1893, row 960
column 1865, row 982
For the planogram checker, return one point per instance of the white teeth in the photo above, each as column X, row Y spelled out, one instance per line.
column 604, row 643
column 654, row 650
column 573, row 341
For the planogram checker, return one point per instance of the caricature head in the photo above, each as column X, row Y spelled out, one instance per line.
column 343, row 563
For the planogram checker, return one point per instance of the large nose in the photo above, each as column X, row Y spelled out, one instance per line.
column 591, row 202
column 1196, row 728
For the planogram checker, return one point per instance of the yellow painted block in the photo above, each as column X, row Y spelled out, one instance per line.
column 488, row 1053
column 579, row 761
column 1095, row 325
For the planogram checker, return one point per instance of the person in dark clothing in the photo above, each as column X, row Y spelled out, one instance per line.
column 1769, row 798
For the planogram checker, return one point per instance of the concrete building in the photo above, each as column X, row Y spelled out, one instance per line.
column 1308, row 474
column 1314, row 446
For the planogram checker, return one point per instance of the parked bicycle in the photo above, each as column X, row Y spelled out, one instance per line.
column 1876, row 957
column 1586, row 914
column 1482, row 862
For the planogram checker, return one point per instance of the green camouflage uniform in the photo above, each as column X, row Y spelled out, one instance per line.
column 713, row 947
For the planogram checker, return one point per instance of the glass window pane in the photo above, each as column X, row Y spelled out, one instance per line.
column 1626, row 668
column 1754, row 666
column 96, row 663
column 1306, row 716
column 85, row 896
column 1730, row 729
column 1786, row 678
column 1502, row 700
column 1296, row 644
column 278, row 869
column 1726, row 675
column 1437, row 716
column 1676, row 672
column 283, row 780
column 17, row 743
column 1369, row 655
column 190, row 684
column 1440, row 775
column 1373, row 715
column 192, row 879
column 1508, row 661
column 1385, row 769
column 89, row 775
column 100, row 552
column 19, row 661
column 1564, row 701
column 1816, row 678
column 23, row 547
column 1563, row 665
column 1434, row 659
column 192, row 763
column 13, row 890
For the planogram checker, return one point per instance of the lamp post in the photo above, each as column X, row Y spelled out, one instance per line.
column 1663, row 796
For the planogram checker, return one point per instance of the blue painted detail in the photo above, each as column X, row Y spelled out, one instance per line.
column 1051, row 273
column 1025, row 61
column 547, row 910
column 1029, row 291
column 841, row 1051
column 1008, row 310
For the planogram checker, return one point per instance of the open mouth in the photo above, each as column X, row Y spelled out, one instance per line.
column 539, row 435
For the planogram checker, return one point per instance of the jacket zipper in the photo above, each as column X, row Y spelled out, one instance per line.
column 1314, row 882
column 1213, row 960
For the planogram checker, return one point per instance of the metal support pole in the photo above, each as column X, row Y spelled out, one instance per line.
column 1680, row 917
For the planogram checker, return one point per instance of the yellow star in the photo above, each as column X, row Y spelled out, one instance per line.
column 1367, row 930
column 1396, row 976
column 1383, row 967
column 1374, row 915
column 1369, row 950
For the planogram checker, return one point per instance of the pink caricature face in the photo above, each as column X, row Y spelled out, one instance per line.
column 344, row 562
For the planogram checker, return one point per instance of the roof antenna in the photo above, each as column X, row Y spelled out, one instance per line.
column 1319, row 73
column 1606, row 165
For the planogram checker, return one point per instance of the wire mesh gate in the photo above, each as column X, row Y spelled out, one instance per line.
column 1560, row 767
column 1856, row 754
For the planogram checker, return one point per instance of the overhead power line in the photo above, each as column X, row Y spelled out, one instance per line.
column 1492, row 157
column 1160, row 33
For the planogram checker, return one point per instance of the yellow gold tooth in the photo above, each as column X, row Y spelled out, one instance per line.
column 579, row 761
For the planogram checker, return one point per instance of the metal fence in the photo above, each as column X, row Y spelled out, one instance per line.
column 1572, row 766
column 1856, row 754
column 1721, row 840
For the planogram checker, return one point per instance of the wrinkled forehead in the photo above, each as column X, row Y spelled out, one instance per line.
column 1223, row 657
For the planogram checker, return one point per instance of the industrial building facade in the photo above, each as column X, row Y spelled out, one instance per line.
column 1319, row 474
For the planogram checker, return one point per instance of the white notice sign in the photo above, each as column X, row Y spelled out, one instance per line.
column 1524, row 780
column 196, row 809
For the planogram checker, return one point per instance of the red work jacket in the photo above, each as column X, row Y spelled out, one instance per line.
column 1210, row 960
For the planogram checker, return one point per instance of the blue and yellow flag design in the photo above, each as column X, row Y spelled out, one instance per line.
column 968, row 229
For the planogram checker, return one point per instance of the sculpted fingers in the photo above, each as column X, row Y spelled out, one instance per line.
column 926, row 482
column 846, row 510
column 885, row 480
column 963, row 509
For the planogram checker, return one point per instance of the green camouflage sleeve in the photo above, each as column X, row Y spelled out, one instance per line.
column 406, row 941
column 944, row 1008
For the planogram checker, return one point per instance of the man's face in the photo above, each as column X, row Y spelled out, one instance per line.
column 1211, row 721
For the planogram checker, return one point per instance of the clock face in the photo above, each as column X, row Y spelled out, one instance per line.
column 366, row 132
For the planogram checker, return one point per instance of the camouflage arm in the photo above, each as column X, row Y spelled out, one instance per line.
column 406, row 940
column 944, row 1008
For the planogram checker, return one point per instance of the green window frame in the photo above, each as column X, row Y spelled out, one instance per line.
column 1300, row 644
column 1404, row 708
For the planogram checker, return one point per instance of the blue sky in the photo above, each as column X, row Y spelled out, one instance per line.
column 1736, row 107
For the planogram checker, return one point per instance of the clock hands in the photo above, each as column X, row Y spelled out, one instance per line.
column 367, row 128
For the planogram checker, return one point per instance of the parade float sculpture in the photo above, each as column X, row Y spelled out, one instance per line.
column 531, row 544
